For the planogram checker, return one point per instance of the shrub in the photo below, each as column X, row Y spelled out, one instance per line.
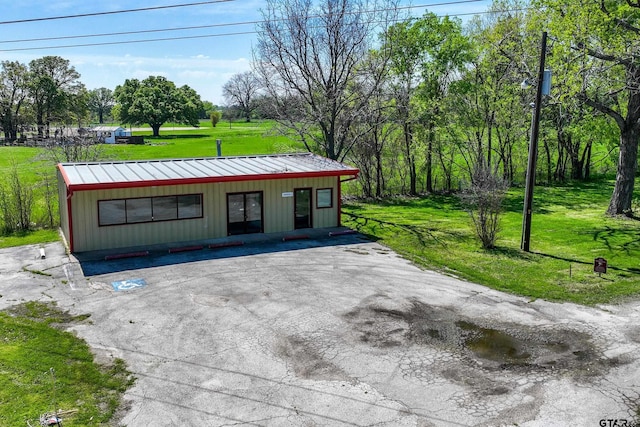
column 215, row 117
column 482, row 199
column 16, row 203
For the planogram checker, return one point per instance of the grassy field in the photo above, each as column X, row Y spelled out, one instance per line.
column 238, row 138
column 43, row 368
column 569, row 230
column 569, row 226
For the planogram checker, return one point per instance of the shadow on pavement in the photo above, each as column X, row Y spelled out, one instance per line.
column 94, row 263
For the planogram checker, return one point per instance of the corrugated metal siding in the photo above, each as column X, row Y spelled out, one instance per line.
column 62, row 207
column 153, row 172
column 326, row 217
column 277, row 213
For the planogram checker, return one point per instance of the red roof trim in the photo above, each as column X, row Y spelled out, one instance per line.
column 205, row 180
column 64, row 174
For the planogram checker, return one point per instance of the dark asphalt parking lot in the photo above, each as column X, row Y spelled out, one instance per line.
column 337, row 332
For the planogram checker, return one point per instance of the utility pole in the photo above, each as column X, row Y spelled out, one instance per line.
column 533, row 151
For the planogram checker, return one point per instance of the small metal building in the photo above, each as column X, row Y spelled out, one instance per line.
column 107, row 205
column 109, row 134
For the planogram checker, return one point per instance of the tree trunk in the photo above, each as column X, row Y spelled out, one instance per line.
column 430, row 159
column 156, row 129
column 379, row 182
column 489, row 141
column 586, row 160
column 40, row 123
column 547, row 151
column 409, row 158
column 627, row 166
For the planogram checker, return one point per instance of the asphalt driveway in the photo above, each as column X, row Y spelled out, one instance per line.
column 335, row 332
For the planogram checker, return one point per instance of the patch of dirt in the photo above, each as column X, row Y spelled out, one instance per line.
column 380, row 322
column 46, row 312
column 633, row 334
column 306, row 361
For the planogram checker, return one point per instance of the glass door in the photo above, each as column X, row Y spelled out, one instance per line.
column 244, row 213
column 302, row 201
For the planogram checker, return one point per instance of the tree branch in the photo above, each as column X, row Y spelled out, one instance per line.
column 603, row 109
column 581, row 46
column 624, row 24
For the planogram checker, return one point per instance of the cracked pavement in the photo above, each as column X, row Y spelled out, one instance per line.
column 331, row 332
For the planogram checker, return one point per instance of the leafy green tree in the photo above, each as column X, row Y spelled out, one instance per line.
column 600, row 40
column 207, row 109
column 155, row 101
column 52, row 84
column 13, row 94
column 487, row 108
column 77, row 109
column 448, row 51
column 406, row 55
column 427, row 54
column 101, row 102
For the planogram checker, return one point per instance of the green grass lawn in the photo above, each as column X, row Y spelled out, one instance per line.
column 42, row 366
column 569, row 230
column 238, row 139
column 569, row 227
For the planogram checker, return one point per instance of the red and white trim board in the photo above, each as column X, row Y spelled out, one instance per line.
column 151, row 173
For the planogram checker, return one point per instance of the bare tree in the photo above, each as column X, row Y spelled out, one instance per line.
column 16, row 203
column 241, row 91
column 375, row 130
column 310, row 57
column 67, row 146
column 483, row 201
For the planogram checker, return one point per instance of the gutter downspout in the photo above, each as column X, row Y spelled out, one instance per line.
column 70, row 218
column 340, row 181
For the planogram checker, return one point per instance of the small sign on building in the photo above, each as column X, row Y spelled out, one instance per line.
column 600, row 265
column 287, row 194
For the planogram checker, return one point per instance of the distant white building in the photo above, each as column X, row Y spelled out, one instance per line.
column 108, row 134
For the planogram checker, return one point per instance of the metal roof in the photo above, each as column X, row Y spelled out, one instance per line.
column 146, row 173
column 105, row 128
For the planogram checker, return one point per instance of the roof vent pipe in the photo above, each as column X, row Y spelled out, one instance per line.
column 219, row 147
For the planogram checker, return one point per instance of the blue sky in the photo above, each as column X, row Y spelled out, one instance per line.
column 204, row 63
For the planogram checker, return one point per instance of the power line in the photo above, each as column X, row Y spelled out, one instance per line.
column 113, row 12
column 230, row 24
column 127, row 42
column 123, row 33
column 123, row 42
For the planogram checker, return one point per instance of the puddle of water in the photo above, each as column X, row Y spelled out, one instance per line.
column 494, row 345
column 508, row 346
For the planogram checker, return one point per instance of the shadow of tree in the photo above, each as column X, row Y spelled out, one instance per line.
column 632, row 270
column 177, row 136
column 423, row 233
column 617, row 239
